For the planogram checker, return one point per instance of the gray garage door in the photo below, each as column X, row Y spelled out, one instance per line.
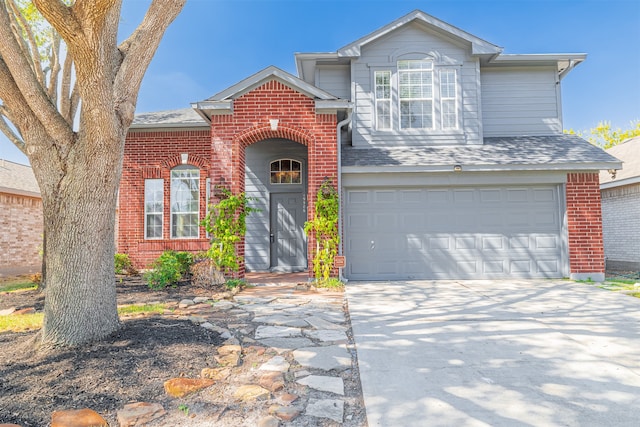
column 453, row 233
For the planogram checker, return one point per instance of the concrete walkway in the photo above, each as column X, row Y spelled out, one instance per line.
column 496, row 353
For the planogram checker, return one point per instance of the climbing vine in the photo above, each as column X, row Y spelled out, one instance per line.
column 325, row 228
column 225, row 222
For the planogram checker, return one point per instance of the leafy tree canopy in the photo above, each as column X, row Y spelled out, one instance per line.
column 605, row 137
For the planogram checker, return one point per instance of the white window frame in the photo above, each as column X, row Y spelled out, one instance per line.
column 424, row 71
column 147, row 212
column 447, row 99
column 191, row 180
column 380, row 101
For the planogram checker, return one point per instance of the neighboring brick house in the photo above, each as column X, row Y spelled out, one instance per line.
column 20, row 220
column 621, row 208
column 449, row 156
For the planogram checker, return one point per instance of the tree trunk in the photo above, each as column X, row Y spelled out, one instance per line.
column 79, row 220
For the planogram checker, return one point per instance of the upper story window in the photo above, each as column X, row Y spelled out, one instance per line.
column 423, row 95
column 383, row 99
column 415, row 91
column 285, row 171
column 185, row 202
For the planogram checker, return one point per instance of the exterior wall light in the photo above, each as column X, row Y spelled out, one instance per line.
column 457, row 168
column 184, row 157
column 274, row 124
column 612, row 172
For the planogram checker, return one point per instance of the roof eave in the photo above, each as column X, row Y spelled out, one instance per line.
column 620, row 183
column 569, row 167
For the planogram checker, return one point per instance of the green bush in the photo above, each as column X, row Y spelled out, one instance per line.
column 124, row 265
column 235, row 283
column 168, row 269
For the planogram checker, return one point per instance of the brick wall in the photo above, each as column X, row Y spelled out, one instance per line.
column 21, row 236
column 249, row 123
column 152, row 154
column 584, row 222
column 621, row 226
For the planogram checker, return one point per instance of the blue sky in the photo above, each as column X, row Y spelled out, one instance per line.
column 216, row 43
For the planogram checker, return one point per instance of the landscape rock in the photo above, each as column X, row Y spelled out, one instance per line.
column 285, row 413
column 324, row 383
column 320, row 323
column 229, row 349
column 6, row 312
column 251, row 392
column 276, row 363
column 217, row 374
column 326, row 358
column 28, row 310
column 269, row 421
column 9, row 425
column 139, row 414
column 77, row 418
column 280, row 320
column 272, row 381
column 200, row 300
column 288, row 398
column 327, row 335
column 326, row 408
column 263, row 332
column 286, row 344
column 185, row 303
column 180, row 387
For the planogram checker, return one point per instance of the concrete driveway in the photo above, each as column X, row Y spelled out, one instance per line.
column 496, row 353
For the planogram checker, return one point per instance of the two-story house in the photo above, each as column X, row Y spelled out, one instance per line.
column 449, row 156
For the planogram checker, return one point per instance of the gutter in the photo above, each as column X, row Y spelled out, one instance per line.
column 339, row 184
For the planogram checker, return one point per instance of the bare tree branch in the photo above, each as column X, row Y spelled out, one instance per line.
column 61, row 18
column 138, row 50
column 29, row 45
column 6, row 129
column 29, row 88
column 54, row 72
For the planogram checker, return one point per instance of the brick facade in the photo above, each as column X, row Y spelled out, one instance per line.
column 21, row 237
column 220, row 155
column 152, row 154
column 297, row 121
column 584, row 223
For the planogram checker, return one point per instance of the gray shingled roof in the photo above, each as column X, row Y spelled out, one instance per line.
column 17, row 179
column 185, row 117
column 524, row 152
column 629, row 153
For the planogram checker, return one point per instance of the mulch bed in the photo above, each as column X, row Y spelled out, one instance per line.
column 129, row 366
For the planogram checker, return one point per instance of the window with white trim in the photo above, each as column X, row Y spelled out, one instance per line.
column 153, row 208
column 185, row 202
column 383, row 99
column 449, row 109
column 285, row 171
column 415, row 93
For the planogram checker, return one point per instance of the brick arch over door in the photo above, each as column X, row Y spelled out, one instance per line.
column 261, row 133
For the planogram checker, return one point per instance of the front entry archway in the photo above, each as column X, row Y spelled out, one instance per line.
column 276, row 181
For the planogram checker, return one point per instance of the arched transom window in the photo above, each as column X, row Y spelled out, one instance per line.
column 285, row 171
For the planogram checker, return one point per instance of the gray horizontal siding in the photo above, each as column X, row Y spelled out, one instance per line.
column 335, row 79
column 517, row 101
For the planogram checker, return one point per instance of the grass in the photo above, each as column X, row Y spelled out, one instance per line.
column 30, row 322
column 17, row 285
column 626, row 286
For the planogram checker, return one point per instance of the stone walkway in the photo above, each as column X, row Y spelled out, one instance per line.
column 288, row 360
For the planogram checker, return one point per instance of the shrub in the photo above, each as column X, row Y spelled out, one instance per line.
column 185, row 260
column 166, row 271
column 123, row 264
column 235, row 283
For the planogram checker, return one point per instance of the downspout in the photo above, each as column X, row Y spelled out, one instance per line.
column 339, row 142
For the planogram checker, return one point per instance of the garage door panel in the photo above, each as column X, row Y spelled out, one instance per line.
column 467, row 232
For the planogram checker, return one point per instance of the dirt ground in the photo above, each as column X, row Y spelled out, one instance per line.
column 132, row 366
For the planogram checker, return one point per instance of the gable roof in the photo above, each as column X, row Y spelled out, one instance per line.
column 478, row 46
column 553, row 152
column 222, row 101
column 18, row 179
column 629, row 153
